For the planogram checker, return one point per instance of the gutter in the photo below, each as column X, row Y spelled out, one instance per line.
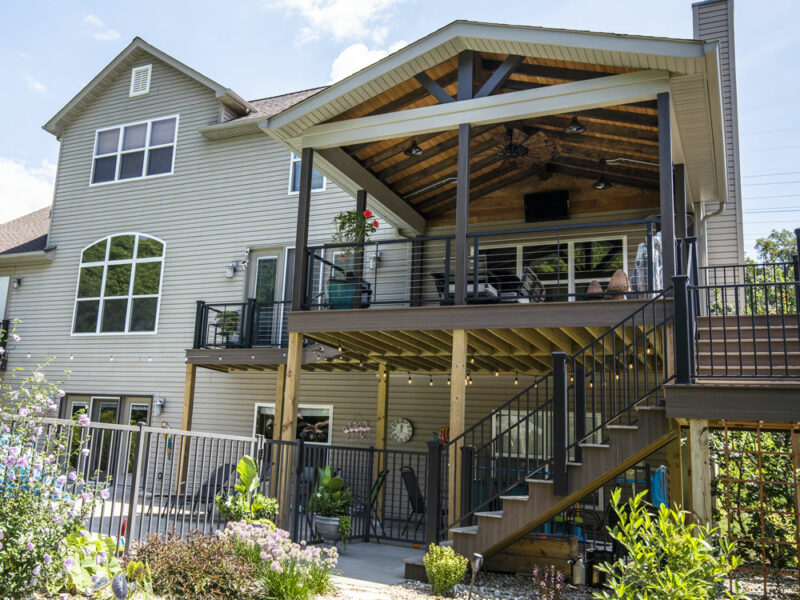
column 27, row 256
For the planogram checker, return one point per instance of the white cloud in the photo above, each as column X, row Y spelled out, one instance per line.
column 356, row 57
column 106, row 35
column 93, row 20
column 24, row 55
column 341, row 19
column 35, row 85
column 24, row 189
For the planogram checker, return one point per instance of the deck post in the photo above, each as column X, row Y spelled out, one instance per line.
column 199, row 332
column 682, row 353
column 681, row 221
column 458, row 390
column 301, row 238
column 382, row 425
column 280, row 388
column 186, row 420
column 358, row 266
column 560, row 424
column 700, row 457
column 467, row 475
column 666, row 186
column 579, row 422
column 462, row 215
column 288, row 425
column 675, row 468
column 433, row 492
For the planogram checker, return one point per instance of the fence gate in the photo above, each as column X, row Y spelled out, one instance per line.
column 758, row 502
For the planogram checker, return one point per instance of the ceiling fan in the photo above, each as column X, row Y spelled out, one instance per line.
column 525, row 148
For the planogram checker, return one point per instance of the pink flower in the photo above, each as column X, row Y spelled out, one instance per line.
column 15, row 337
column 367, row 214
column 375, row 223
column 83, row 421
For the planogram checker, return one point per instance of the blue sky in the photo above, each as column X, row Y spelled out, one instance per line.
column 49, row 49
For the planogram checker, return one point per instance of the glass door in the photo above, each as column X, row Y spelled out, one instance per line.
column 266, row 324
column 104, row 410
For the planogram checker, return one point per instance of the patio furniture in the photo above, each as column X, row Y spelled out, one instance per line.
column 480, row 289
column 368, row 508
column 416, row 500
column 530, row 289
column 206, row 493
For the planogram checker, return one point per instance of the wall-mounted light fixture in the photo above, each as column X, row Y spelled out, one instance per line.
column 158, row 405
column 16, row 283
column 375, row 260
column 232, row 267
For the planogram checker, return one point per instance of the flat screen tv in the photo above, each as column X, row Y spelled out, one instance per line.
column 547, row 206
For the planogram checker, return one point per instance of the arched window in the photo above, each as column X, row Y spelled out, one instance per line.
column 119, row 285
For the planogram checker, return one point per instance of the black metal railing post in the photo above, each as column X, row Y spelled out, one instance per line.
column 250, row 311
column 579, row 421
column 560, row 410
column 133, row 500
column 298, row 473
column 447, row 273
column 199, row 333
column 433, row 493
column 682, row 340
column 467, row 460
column 650, row 272
column 368, row 499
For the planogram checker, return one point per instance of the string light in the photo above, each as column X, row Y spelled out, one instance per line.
column 516, row 379
column 496, row 373
column 472, row 360
column 616, row 376
column 448, row 380
column 630, row 363
column 430, row 380
column 72, row 357
column 339, row 348
column 409, row 378
column 111, row 358
column 591, row 383
column 571, row 378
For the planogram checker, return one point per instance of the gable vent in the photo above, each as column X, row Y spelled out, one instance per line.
column 140, row 80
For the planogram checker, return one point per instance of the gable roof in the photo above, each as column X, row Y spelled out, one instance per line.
column 27, row 233
column 95, row 86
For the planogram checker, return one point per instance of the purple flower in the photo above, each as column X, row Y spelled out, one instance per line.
column 86, row 496
column 38, row 376
column 61, row 393
column 101, row 557
column 72, row 475
column 85, row 452
column 46, row 559
column 36, row 570
column 29, row 546
column 62, row 480
column 276, row 567
column 23, row 412
column 104, row 494
column 2, row 534
column 83, row 421
column 16, row 337
column 68, row 564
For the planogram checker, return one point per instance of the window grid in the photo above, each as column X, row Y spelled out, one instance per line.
column 146, row 149
column 130, row 297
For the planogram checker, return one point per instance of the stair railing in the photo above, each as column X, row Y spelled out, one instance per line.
column 537, row 433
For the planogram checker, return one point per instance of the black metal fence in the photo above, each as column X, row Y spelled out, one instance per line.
column 247, row 324
column 162, row 480
column 5, row 331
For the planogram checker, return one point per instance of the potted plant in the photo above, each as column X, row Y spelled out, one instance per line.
column 352, row 227
column 247, row 503
column 330, row 505
column 227, row 322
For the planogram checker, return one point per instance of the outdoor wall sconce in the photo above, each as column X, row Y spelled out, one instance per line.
column 16, row 283
column 158, row 405
column 232, row 267
column 375, row 260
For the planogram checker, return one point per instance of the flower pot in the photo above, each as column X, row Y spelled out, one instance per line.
column 341, row 293
column 328, row 528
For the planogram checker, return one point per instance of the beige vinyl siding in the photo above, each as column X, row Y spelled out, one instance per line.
column 223, row 197
column 713, row 21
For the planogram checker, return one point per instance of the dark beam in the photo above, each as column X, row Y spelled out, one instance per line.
column 635, row 134
column 414, row 96
column 462, row 205
column 390, row 151
column 446, row 162
column 434, row 89
column 301, row 237
column 549, row 72
column 466, row 74
column 391, row 202
column 665, row 186
column 361, row 206
column 642, row 174
column 681, row 221
column 570, row 144
column 500, row 75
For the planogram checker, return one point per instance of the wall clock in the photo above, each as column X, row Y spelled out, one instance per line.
column 401, row 430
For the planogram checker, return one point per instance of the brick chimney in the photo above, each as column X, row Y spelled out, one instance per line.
column 713, row 22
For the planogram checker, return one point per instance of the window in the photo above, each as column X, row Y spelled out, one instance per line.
column 564, row 268
column 317, row 179
column 119, row 285
column 143, row 149
column 140, row 80
column 313, row 422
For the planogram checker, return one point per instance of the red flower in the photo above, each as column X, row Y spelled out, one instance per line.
column 375, row 223
column 367, row 214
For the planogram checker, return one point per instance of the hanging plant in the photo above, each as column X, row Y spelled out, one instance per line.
column 353, row 226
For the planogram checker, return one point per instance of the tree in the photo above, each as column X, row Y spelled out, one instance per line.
column 778, row 246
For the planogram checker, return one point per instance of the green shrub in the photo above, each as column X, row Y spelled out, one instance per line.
column 444, row 569
column 247, row 503
column 330, row 498
column 92, row 561
column 668, row 558
column 200, row 567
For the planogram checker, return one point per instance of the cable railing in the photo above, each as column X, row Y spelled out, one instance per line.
column 247, row 324
column 540, row 430
column 527, row 265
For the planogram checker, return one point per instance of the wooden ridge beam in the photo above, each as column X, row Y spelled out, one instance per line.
column 547, row 71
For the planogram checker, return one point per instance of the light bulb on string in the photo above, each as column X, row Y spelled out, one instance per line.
column 516, row 379
column 409, row 379
column 430, row 380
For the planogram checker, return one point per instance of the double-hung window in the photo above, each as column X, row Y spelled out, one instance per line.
column 119, row 285
column 136, row 150
column 317, row 179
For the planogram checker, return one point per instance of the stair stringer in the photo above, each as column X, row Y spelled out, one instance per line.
column 519, row 517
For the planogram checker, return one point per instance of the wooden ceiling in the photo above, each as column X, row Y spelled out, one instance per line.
column 427, row 182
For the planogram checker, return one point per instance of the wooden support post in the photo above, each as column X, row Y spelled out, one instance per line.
column 666, row 187
column 675, row 468
column 382, row 423
column 288, row 424
column 700, row 457
column 458, row 390
column 186, row 421
column 462, row 215
column 280, row 388
column 301, row 240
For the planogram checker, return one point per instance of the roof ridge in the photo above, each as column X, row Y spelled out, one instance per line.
column 320, row 87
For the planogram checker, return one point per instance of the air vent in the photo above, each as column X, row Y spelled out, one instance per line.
column 140, row 80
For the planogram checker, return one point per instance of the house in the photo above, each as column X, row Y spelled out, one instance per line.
column 189, row 278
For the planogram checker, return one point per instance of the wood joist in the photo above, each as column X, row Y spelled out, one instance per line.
column 427, row 182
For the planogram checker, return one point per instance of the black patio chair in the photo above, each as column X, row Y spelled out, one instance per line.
column 368, row 507
column 416, row 500
column 207, row 492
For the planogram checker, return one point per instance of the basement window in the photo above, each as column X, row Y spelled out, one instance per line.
column 135, row 150
column 140, row 80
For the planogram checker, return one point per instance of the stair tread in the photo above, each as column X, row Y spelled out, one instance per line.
column 494, row 514
column 593, row 445
column 469, row 530
column 515, row 498
column 627, row 427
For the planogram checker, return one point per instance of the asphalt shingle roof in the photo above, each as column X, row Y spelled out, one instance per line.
column 27, row 233
column 267, row 107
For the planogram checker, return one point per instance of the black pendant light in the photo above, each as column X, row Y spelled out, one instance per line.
column 413, row 149
column 575, row 127
column 602, row 183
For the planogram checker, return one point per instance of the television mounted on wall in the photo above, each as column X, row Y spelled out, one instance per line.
column 547, row 206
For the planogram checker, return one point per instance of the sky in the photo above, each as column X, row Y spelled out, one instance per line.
column 50, row 49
